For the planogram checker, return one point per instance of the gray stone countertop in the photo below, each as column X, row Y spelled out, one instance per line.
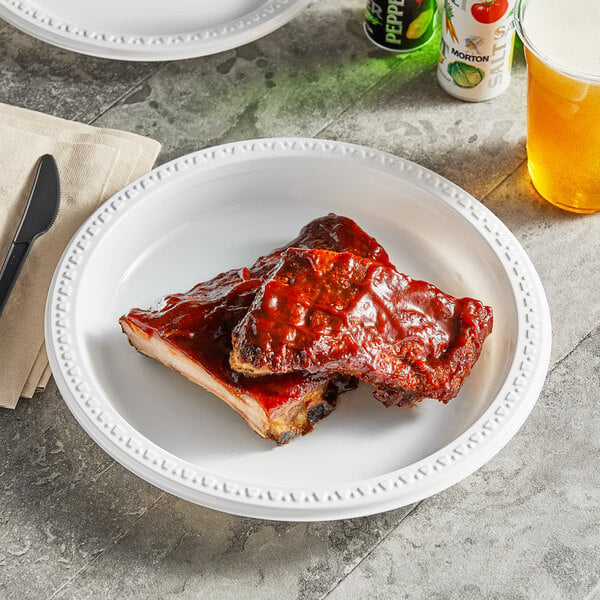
column 75, row 524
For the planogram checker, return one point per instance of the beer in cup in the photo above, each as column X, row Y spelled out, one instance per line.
column 562, row 49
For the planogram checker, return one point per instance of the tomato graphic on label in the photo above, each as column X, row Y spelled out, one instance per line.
column 489, row 11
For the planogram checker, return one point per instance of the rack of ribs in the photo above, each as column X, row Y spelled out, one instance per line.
column 324, row 312
column 191, row 333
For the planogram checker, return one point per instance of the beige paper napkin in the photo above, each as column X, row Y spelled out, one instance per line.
column 93, row 164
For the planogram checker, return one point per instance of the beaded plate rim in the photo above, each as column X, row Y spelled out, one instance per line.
column 468, row 452
column 52, row 29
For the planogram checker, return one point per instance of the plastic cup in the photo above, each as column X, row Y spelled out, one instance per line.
column 563, row 100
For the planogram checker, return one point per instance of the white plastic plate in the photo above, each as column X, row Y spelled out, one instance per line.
column 221, row 208
column 147, row 29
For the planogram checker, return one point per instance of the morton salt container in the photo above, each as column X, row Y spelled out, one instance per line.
column 477, row 46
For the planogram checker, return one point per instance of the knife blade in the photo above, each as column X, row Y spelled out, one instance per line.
column 39, row 215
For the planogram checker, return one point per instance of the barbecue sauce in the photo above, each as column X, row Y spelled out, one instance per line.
column 330, row 312
column 200, row 322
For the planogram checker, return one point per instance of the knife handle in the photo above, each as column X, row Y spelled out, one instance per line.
column 10, row 270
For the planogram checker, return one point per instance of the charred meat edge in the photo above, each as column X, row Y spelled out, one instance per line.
column 281, row 425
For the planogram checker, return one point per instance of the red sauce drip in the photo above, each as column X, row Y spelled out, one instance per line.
column 200, row 322
column 329, row 312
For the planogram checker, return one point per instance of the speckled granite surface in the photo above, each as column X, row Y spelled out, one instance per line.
column 74, row 524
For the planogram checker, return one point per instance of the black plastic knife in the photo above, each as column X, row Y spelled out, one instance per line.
column 39, row 215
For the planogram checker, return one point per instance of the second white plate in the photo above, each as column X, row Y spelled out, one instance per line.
column 149, row 30
column 220, row 208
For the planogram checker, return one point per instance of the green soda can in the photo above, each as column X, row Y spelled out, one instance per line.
column 400, row 25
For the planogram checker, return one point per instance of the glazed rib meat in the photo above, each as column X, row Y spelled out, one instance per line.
column 191, row 333
column 328, row 312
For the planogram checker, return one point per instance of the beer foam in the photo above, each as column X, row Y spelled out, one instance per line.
column 566, row 32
